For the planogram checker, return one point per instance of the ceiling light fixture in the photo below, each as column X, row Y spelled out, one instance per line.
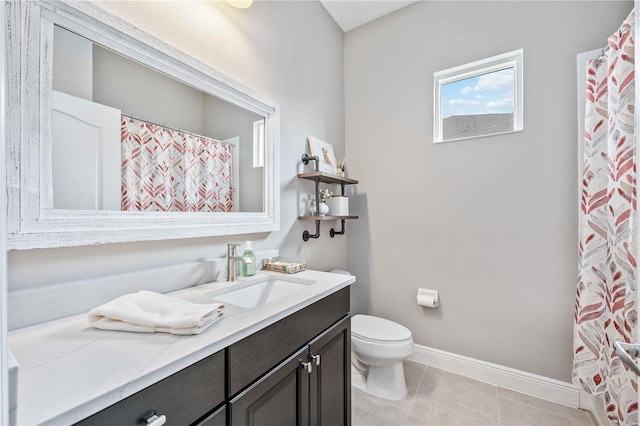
column 240, row 4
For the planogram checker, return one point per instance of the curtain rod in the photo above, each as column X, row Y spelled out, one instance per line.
column 174, row 128
column 602, row 57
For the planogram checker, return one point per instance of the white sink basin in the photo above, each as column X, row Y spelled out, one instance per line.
column 257, row 293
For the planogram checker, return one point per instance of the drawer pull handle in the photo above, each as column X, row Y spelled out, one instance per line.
column 156, row 420
column 307, row 366
column 316, row 358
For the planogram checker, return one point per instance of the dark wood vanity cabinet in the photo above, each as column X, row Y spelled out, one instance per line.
column 183, row 398
column 310, row 384
column 279, row 398
column 330, row 387
column 218, row 418
column 296, row 371
column 312, row 387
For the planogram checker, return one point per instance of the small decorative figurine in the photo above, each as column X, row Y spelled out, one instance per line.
column 340, row 167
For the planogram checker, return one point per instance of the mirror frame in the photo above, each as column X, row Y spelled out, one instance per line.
column 31, row 224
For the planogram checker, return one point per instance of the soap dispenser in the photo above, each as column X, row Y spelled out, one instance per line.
column 248, row 269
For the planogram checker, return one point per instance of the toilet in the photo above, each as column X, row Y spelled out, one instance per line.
column 378, row 347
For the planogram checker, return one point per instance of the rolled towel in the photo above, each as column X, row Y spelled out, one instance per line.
column 150, row 312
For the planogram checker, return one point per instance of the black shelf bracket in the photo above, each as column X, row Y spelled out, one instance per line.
column 306, row 235
column 306, row 158
column 333, row 232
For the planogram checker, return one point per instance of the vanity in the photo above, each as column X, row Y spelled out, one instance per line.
column 284, row 362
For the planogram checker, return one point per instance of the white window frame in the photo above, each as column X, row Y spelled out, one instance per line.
column 258, row 143
column 512, row 59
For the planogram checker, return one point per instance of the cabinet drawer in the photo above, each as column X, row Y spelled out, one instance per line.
column 183, row 397
column 253, row 356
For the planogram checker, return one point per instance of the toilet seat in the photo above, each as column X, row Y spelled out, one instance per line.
column 375, row 329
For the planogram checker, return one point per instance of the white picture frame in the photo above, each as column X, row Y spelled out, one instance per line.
column 327, row 162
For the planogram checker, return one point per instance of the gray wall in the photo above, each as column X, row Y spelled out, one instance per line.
column 72, row 64
column 143, row 92
column 491, row 223
column 291, row 52
column 223, row 120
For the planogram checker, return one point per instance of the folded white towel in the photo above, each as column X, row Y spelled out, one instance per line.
column 149, row 312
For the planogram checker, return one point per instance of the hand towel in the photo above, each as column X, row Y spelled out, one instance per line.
column 150, row 312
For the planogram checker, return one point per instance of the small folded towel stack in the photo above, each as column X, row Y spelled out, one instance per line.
column 149, row 312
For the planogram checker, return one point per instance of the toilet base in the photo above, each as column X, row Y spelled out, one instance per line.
column 358, row 379
column 383, row 382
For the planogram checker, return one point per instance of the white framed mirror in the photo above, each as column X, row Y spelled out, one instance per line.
column 115, row 136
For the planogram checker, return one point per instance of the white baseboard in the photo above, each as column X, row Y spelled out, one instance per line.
column 594, row 405
column 531, row 384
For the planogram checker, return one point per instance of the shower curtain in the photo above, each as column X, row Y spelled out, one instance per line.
column 605, row 309
column 168, row 170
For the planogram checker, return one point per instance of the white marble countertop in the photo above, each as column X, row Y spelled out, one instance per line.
column 69, row 370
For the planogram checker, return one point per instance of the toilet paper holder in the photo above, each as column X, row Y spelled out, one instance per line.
column 428, row 298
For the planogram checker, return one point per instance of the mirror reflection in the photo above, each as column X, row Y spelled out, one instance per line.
column 127, row 137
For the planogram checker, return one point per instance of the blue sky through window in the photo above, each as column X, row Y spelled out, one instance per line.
column 490, row 93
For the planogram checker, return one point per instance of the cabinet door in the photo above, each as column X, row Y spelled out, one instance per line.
column 330, row 384
column 279, row 398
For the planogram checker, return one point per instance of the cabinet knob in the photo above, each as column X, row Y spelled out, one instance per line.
column 156, row 420
column 307, row 366
column 316, row 359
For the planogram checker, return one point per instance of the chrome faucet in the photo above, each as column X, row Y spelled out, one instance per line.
column 231, row 261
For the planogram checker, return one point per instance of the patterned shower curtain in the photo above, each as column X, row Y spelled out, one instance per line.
column 605, row 309
column 169, row 170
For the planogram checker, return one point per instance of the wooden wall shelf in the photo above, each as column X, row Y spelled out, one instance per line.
column 323, row 177
column 326, row 217
column 327, row 178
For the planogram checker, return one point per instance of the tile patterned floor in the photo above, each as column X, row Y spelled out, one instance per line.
column 436, row 397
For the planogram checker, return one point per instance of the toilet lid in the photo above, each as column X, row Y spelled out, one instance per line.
column 370, row 327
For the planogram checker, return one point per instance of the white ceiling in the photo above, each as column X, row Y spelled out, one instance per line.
column 350, row 14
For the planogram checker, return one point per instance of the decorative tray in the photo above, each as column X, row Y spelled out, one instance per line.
column 283, row 264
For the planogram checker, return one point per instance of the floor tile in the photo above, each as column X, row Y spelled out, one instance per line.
column 443, row 412
column 465, row 392
column 518, row 414
column 581, row 417
column 413, row 373
column 367, row 410
column 436, row 397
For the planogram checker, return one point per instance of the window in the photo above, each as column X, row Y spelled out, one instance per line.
column 258, row 143
column 479, row 99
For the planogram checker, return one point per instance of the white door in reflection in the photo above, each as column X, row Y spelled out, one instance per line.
column 85, row 155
